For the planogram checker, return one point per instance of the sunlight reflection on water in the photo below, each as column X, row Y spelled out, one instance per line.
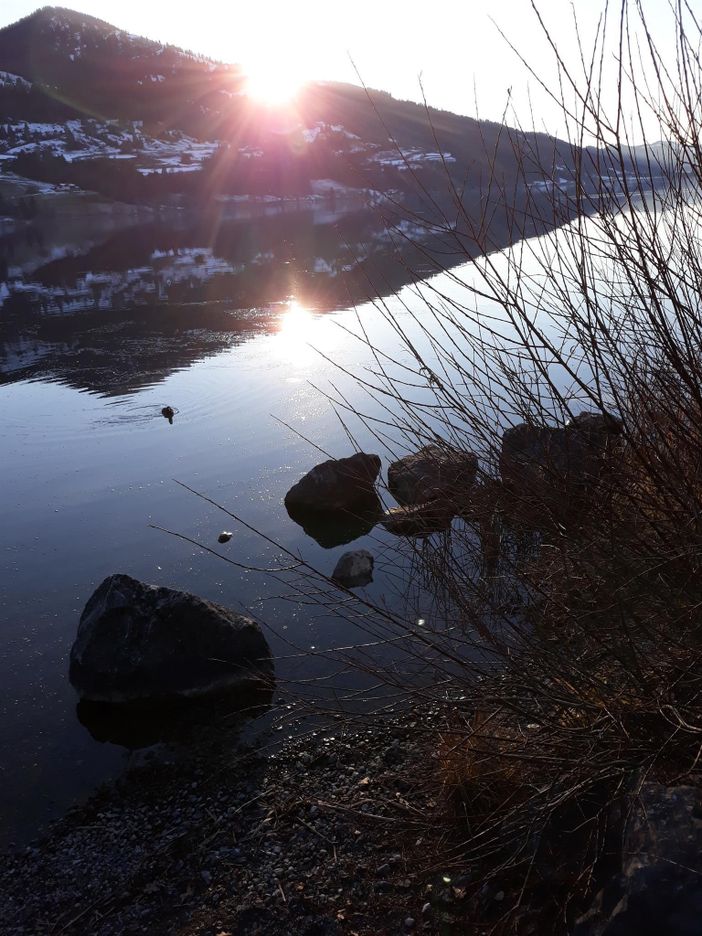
column 302, row 334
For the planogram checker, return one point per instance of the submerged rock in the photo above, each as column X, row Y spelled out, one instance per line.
column 354, row 569
column 182, row 720
column 336, row 502
column 140, row 643
column 435, row 472
column 337, row 529
column 419, row 519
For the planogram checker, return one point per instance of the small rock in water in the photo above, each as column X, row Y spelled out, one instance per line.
column 354, row 569
column 168, row 413
column 224, row 536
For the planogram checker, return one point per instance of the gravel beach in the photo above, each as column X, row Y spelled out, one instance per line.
column 331, row 833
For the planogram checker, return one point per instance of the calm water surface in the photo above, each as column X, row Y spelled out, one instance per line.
column 222, row 324
column 98, row 335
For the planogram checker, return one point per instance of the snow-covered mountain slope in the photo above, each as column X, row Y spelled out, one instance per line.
column 77, row 140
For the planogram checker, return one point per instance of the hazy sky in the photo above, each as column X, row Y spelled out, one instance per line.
column 453, row 44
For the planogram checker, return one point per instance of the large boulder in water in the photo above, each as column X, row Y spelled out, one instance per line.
column 552, row 471
column 140, row 643
column 572, row 453
column 340, row 484
column 435, row 472
column 336, row 501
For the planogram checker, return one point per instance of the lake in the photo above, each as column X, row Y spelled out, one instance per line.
column 237, row 322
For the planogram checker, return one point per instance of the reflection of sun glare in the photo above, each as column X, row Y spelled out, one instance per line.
column 272, row 83
column 297, row 322
column 302, row 334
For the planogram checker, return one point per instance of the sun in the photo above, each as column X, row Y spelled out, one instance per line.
column 272, row 84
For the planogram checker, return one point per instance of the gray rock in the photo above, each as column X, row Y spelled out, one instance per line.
column 354, row 569
column 140, row 643
column 336, row 502
column 534, row 455
column 336, row 485
column 658, row 889
column 435, row 472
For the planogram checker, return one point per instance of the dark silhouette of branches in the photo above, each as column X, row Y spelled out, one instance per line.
column 554, row 631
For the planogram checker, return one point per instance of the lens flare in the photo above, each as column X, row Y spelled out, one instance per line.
column 272, row 85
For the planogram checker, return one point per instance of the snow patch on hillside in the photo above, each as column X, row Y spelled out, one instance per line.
column 326, row 130
column 91, row 139
column 411, row 159
column 8, row 80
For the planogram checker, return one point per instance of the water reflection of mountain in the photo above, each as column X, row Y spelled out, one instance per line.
column 114, row 352
column 204, row 258
column 152, row 298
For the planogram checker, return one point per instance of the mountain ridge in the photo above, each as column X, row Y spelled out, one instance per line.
column 97, row 82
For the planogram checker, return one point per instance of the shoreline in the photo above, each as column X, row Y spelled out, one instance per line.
column 329, row 834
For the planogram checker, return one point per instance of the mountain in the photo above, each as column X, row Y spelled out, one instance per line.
column 83, row 66
column 84, row 103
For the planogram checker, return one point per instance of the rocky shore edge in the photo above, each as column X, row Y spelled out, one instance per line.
column 329, row 834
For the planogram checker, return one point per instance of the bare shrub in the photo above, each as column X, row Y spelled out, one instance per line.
column 562, row 648
column 553, row 632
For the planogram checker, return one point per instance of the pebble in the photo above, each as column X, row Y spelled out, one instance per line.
column 394, row 754
column 243, row 835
